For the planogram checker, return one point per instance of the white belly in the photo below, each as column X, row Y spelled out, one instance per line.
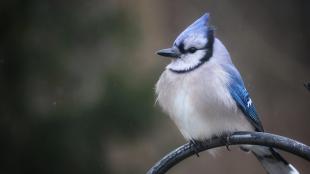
column 199, row 103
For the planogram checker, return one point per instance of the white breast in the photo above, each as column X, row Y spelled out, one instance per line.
column 199, row 102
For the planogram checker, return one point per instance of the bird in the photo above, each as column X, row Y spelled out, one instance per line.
column 203, row 93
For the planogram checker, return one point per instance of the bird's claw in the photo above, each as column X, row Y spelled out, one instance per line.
column 227, row 143
column 196, row 145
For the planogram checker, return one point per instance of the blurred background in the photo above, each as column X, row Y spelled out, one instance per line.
column 77, row 81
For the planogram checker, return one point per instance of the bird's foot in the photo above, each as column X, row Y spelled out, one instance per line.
column 228, row 142
column 195, row 144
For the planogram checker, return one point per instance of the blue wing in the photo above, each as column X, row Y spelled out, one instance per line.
column 242, row 98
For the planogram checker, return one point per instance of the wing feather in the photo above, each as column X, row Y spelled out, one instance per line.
column 242, row 98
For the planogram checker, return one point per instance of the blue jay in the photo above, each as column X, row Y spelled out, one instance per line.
column 204, row 94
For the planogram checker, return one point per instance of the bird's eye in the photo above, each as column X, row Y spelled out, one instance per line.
column 192, row 49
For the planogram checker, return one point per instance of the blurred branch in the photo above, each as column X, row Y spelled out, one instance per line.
column 307, row 85
column 253, row 138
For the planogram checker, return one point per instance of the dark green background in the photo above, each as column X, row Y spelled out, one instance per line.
column 77, row 81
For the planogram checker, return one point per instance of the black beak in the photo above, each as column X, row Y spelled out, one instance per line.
column 169, row 52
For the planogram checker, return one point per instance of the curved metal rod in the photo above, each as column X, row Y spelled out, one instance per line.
column 237, row 138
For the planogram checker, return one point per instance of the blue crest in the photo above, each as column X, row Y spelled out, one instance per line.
column 199, row 26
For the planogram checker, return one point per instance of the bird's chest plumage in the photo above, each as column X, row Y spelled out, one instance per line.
column 199, row 102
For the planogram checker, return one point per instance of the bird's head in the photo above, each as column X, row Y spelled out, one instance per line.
column 192, row 47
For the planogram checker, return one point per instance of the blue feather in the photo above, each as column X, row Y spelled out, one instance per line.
column 242, row 97
column 199, row 26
